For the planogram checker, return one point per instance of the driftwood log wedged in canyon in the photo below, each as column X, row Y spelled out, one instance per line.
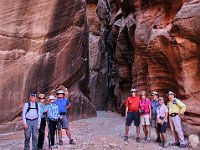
column 43, row 44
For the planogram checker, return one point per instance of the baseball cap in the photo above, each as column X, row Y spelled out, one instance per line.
column 32, row 93
column 133, row 90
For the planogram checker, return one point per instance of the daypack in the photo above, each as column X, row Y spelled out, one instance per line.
column 29, row 107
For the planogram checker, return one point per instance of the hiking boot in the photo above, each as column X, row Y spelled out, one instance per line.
column 144, row 140
column 60, row 142
column 183, row 146
column 158, row 140
column 137, row 139
column 126, row 138
column 148, row 140
column 175, row 144
column 54, row 146
column 161, row 144
column 166, row 144
column 72, row 142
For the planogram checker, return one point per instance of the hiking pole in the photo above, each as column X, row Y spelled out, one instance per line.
column 56, row 132
column 48, row 136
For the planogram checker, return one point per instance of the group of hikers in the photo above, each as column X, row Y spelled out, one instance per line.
column 150, row 113
column 37, row 114
column 153, row 113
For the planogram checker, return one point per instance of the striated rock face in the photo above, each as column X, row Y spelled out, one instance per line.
column 43, row 44
column 157, row 48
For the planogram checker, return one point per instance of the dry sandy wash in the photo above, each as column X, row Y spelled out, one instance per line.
column 103, row 132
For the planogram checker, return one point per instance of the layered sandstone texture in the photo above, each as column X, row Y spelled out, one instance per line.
column 43, row 44
column 155, row 46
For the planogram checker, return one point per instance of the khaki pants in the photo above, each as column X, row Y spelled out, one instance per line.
column 176, row 129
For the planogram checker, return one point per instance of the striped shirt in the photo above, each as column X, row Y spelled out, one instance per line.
column 52, row 110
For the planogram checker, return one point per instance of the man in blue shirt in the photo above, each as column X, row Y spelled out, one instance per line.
column 154, row 106
column 63, row 105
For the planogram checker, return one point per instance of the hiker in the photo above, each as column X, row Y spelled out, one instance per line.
column 53, row 116
column 162, row 116
column 63, row 123
column 154, row 106
column 132, row 114
column 43, row 111
column 31, row 121
column 145, row 115
column 176, row 109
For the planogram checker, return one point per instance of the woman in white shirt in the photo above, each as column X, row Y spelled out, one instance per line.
column 162, row 114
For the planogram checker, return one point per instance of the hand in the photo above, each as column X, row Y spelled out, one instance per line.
column 162, row 122
column 38, row 126
column 25, row 126
column 60, row 117
column 150, row 117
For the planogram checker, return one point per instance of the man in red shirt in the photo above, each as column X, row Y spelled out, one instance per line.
column 132, row 114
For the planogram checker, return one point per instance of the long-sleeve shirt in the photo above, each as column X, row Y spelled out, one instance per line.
column 43, row 107
column 176, row 106
column 32, row 113
column 53, row 112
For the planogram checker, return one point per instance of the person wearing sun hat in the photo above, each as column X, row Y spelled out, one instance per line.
column 176, row 109
column 43, row 110
column 154, row 106
column 145, row 115
column 132, row 113
column 53, row 116
column 63, row 123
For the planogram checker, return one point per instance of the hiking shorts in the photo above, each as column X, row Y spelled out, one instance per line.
column 133, row 116
column 63, row 123
column 145, row 120
column 162, row 128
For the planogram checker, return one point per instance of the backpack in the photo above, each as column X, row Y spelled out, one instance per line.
column 29, row 107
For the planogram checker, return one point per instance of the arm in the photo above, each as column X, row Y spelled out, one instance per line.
column 165, row 118
column 68, row 104
column 126, row 111
column 182, row 106
column 150, row 111
column 158, row 116
column 24, row 115
column 39, row 115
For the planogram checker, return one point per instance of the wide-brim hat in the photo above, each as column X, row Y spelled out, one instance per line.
column 154, row 93
column 60, row 92
column 171, row 93
column 41, row 96
column 52, row 97
column 133, row 90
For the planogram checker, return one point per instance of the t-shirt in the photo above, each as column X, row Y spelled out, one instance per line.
column 144, row 105
column 62, row 104
column 161, row 110
column 154, row 106
column 133, row 104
